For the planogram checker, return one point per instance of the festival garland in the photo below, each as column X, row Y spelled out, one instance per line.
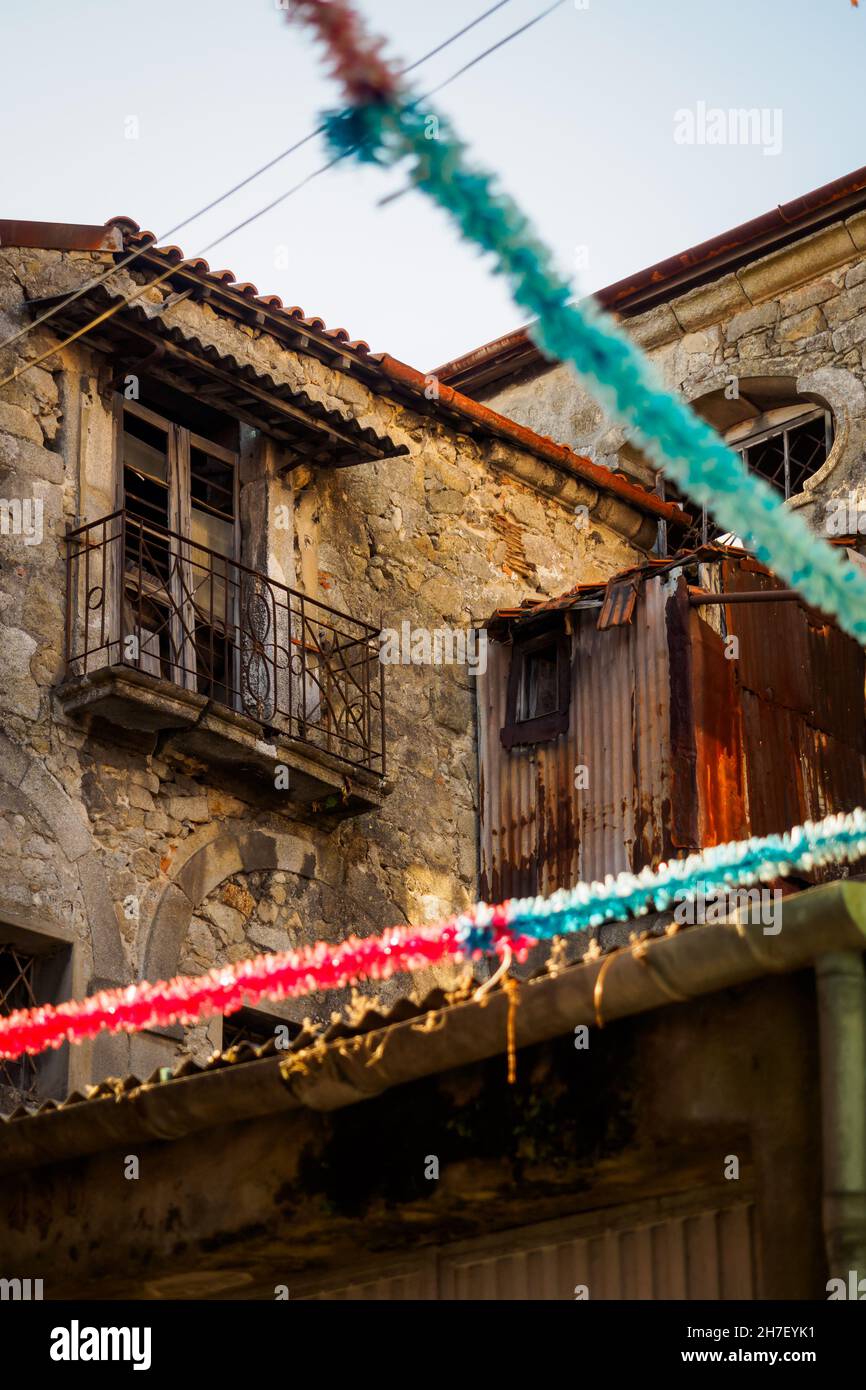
column 384, row 124
column 514, row 926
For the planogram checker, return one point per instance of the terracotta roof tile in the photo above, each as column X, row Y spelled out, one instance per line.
column 134, row 238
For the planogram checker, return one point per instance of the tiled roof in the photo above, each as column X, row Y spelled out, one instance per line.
column 356, row 1020
column 353, row 1059
column 302, row 411
column 487, row 367
column 379, row 372
column 134, row 239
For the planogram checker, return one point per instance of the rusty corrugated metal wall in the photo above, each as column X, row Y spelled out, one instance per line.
column 683, row 747
column 540, row 832
column 795, row 702
column 801, row 690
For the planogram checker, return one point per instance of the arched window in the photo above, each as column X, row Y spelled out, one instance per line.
column 783, row 437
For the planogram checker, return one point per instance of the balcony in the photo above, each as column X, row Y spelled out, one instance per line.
column 226, row 665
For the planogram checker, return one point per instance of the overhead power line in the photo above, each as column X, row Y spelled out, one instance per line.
column 254, row 217
column 230, row 192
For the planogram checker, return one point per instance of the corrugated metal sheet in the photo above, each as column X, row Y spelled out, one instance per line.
column 709, row 1255
column 699, row 1254
column 718, row 721
column 683, row 746
column 539, row 831
column 801, row 691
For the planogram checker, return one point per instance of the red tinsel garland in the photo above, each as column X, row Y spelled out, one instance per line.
column 227, row 988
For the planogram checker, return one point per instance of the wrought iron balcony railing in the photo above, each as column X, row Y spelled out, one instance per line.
column 141, row 596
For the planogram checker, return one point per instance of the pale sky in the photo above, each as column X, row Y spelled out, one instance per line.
column 578, row 116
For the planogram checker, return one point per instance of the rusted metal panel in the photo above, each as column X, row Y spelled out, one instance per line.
column 649, row 736
column 540, row 828
column 718, row 728
column 604, row 811
column 809, row 666
column 686, row 742
column 796, row 772
column 59, row 236
column 801, row 693
column 620, row 597
column 684, row 797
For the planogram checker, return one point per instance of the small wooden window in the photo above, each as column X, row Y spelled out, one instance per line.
column 539, row 689
column 17, row 991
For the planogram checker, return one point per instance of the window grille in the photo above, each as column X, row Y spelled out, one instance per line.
column 17, row 992
column 785, row 456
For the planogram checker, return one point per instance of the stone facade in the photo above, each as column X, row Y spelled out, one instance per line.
column 140, row 863
column 796, row 316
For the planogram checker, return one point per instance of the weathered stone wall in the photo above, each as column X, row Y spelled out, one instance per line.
column 798, row 313
column 148, row 864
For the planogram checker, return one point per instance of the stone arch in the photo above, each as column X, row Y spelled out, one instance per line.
column 843, row 394
column 208, row 859
column 33, row 786
column 835, row 388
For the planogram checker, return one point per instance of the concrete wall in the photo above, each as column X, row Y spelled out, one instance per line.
column 150, row 864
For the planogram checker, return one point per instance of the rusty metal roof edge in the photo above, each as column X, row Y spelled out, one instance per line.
column 59, row 236
column 595, row 592
column 329, row 1075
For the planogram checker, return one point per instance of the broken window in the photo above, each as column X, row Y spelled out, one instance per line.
column 17, row 992
column 539, row 689
column 34, row 969
column 785, row 446
column 181, row 548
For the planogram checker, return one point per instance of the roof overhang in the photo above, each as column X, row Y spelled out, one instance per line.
column 381, row 374
column 138, row 339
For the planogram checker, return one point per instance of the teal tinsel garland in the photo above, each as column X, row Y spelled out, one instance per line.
column 837, row 839
column 617, row 372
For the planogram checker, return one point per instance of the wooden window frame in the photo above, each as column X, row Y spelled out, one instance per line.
column 180, row 441
column 544, row 727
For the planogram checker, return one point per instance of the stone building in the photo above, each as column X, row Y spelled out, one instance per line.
column 762, row 329
column 688, row 1118
column 211, row 505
